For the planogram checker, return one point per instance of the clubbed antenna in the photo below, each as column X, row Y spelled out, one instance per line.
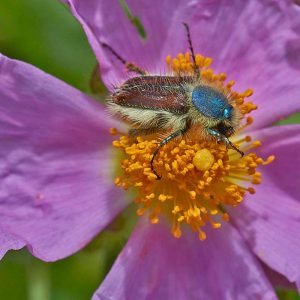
column 196, row 69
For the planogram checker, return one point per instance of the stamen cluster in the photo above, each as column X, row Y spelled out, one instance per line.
column 199, row 180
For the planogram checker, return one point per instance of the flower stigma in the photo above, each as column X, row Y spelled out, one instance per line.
column 200, row 178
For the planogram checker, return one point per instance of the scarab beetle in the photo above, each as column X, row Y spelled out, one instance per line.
column 156, row 103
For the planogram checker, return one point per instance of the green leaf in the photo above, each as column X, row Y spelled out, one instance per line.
column 133, row 19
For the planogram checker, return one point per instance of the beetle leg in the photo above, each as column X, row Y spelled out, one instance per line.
column 164, row 142
column 129, row 66
column 161, row 144
column 222, row 138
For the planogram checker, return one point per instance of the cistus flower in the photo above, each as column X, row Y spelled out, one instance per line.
column 57, row 168
column 200, row 176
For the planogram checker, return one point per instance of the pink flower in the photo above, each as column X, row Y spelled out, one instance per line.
column 57, row 189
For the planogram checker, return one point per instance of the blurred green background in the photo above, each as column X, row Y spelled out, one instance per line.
column 45, row 34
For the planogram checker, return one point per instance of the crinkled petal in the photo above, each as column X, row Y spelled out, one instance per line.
column 270, row 222
column 255, row 42
column 8, row 241
column 55, row 164
column 105, row 21
column 155, row 265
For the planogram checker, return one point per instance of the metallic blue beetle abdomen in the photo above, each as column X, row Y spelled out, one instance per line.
column 211, row 103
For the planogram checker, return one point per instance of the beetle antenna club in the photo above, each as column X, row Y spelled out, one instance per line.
column 196, row 69
column 129, row 66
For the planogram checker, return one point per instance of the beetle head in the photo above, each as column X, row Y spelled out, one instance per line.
column 211, row 103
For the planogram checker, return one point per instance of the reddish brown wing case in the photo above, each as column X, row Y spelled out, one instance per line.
column 154, row 92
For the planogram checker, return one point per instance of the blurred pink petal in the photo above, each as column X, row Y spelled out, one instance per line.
column 57, row 190
column 278, row 280
column 155, row 265
column 105, row 21
column 270, row 223
column 255, row 42
column 8, row 242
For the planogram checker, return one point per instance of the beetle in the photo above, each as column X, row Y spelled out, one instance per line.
column 156, row 103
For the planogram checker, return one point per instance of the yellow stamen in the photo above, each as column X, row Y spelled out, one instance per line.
column 213, row 179
column 200, row 178
column 202, row 235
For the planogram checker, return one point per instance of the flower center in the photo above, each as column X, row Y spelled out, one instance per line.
column 200, row 178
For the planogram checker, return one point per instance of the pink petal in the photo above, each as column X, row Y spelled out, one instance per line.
column 57, row 190
column 255, row 42
column 8, row 241
column 270, row 222
column 155, row 265
column 261, row 51
column 105, row 21
column 277, row 280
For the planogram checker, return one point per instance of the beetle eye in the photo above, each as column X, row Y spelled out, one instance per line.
column 227, row 112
